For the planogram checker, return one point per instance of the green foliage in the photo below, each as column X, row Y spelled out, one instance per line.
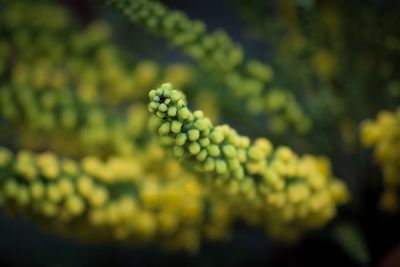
column 351, row 241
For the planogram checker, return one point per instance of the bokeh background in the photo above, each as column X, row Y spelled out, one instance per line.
column 340, row 60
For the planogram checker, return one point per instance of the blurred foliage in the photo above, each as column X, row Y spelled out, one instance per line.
column 89, row 151
column 384, row 135
column 69, row 91
column 247, row 80
column 350, row 239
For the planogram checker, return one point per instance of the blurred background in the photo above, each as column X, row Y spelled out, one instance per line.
column 311, row 75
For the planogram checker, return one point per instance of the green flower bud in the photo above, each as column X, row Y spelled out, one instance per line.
column 202, row 155
column 176, row 127
column 165, row 128
column 255, row 153
column 238, row 173
column 162, row 107
column 193, row 134
column 209, row 164
column 152, row 94
column 184, row 113
column 214, row 150
column 175, row 96
column 234, row 164
column 180, row 139
column 221, row 167
column 153, row 106
column 194, row 148
column 204, row 142
column 198, row 114
column 201, row 124
column 216, row 137
column 172, row 111
column 229, row 151
column 165, row 87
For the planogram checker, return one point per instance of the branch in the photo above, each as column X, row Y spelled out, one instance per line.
column 297, row 192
